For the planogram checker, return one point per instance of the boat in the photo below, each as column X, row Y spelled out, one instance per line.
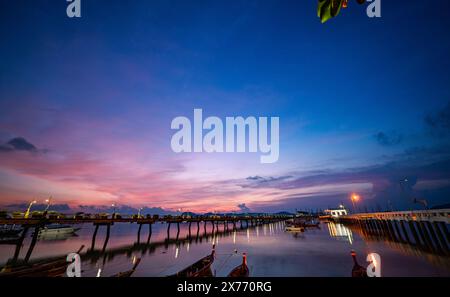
column 200, row 268
column 241, row 270
column 295, row 228
column 306, row 221
column 11, row 231
column 43, row 268
column 128, row 273
column 57, row 229
column 311, row 224
column 357, row 270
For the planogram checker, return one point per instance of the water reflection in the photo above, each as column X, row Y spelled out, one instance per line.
column 410, row 249
column 271, row 251
column 340, row 232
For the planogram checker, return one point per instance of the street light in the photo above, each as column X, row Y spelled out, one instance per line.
column 114, row 210
column 139, row 212
column 48, row 201
column 27, row 213
column 355, row 198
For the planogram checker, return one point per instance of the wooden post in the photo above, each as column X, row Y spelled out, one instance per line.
column 414, row 233
column 198, row 229
column 433, row 236
column 441, row 236
column 445, row 230
column 392, row 231
column 424, row 234
column 139, row 234
column 33, row 243
column 149, row 233
column 405, row 232
column 19, row 244
column 108, row 229
column 94, row 236
column 168, row 231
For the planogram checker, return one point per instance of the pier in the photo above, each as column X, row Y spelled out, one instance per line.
column 219, row 225
column 425, row 229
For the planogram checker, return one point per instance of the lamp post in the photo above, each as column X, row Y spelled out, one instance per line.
column 355, row 198
column 114, row 210
column 48, row 201
column 27, row 213
column 139, row 213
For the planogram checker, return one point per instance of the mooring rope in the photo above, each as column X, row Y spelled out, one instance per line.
column 224, row 262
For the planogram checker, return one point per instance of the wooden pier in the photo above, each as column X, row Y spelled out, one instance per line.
column 425, row 229
column 217, row 223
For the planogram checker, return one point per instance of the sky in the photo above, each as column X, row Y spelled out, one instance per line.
column 86, row 103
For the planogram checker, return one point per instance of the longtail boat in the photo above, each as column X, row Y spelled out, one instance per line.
column 240, row 270
column 128, row 273
column 357, row 270
column 200, row 268
column 9, row 232
column 293, row 228
column 44, row 268
column 311, row 225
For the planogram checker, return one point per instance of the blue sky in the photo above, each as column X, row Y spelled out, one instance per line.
column 96, row 96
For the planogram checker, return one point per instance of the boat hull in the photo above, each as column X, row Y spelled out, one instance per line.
column 57, row 231
column 294, row 229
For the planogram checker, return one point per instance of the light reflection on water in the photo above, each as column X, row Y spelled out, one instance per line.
column 340, row 231
column 271, row 251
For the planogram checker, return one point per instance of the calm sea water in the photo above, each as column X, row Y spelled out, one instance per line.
column 270, row 251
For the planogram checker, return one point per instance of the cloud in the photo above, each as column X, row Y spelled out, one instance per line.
column 18, row 144
column 243, row 207
column 438, row 123
column 65, row 208
column 388, row 139
column 254, row 180
column 380, row 184
column 256, row 177
column 126, row 210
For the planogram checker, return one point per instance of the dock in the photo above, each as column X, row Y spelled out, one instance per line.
column 425, row 229
column 217, row 223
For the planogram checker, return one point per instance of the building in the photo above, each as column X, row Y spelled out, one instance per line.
column 336, row 213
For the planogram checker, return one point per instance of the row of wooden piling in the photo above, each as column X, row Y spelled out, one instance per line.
column 427, row 235
column 216, row 223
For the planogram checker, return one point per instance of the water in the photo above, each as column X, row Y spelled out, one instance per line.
column 270, row 251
